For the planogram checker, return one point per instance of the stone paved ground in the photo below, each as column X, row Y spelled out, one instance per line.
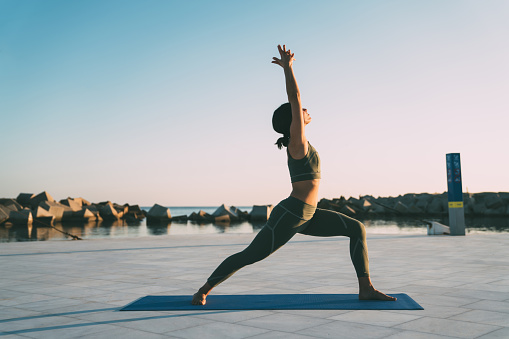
column 66, row 289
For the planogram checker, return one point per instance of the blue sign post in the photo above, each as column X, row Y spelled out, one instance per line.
column 455, row 194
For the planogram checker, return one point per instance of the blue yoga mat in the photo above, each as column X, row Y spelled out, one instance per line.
column 271, row 302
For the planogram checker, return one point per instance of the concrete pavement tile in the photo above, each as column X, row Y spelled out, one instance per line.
column 322, row 314
column 454, row 328
column 38, row 324
column 347, row 330
column 218, row 330
column 442, row 300
column 490, row 305
column 484, row 317
column 280, row 335
column 417, row 335
column 234, row 316
column 377, row 318
column 284, row 322
column 433, row 311
column 122, row 332
column 502, row 333
column 165, row 323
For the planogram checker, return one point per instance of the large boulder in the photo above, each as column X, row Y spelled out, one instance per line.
column 108, row 212
column 224, row 210
column 41, row 197
column 74, row 204
column 201, row 216
column 365, row 205
column 11, row 204
column 24, row 199
column 436, row 206
column 158, row 212
column 21, row 217
column 134, row 212
column 377, row 209
column 43, row 217
column 84, row 214
column 401, row 208
column 4, row 213
column 261, row 212
column 56, row 209
column 348, row 210
column 493, row 201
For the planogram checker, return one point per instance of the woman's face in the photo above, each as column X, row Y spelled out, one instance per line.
column 307, row 117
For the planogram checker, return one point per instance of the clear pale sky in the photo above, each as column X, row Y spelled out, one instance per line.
column 171, row 102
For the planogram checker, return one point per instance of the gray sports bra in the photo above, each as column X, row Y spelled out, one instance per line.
column 307, row 168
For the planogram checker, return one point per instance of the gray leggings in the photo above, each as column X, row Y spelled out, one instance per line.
column 293, row 216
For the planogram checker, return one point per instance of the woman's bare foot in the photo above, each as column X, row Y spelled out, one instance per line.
column 368, row 292
column 199, row 298
column 375, row 294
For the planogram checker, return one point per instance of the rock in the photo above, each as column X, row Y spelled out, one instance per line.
column 24, row 199
column 72, row 203
column 159, row 212
column 43, row 196
column 365, row 205
column 84, row 214
column 222, row 219
column 261, row 212
column 108, row 212
column 4, row 213
column 84, row 202
column 134, row 212
column 179, row 218
column 407, row 199
column 377, row 209
column 223, row 210
column 43, row 217
column 401, row 208
column 422, row 201
column 355, row 203
column 414, row 210
column 121, row 209
column 133, row 209
column 495, row 211
column 493, row 201
column 333, row 205
column 435, row 206
column 56, row 209
column 11, row 204
column 21, row 217
column 347, row 210
column 201, row 216
column 479, row 208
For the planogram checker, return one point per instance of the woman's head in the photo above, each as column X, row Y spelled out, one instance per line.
column 281, row 121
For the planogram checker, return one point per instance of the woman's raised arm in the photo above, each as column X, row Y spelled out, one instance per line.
column 298, row 146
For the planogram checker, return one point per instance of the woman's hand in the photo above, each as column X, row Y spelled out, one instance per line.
column 286, row 57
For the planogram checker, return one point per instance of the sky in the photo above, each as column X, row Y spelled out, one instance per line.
column 170, row 102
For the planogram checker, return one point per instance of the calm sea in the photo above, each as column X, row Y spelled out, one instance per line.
column 123, row 228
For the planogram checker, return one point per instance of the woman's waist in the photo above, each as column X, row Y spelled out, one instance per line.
column 297, row 207
column 306, row 186
column 306, row 191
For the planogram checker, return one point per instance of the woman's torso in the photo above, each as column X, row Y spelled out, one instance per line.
column 305, row 176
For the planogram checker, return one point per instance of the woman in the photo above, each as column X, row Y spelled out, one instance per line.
column 298, row 213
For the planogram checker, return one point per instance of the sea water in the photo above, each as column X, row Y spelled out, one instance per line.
column 124, row 228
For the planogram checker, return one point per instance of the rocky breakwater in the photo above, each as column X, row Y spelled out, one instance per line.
column 45, row 210
column 42, row 209
column 494, row 204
